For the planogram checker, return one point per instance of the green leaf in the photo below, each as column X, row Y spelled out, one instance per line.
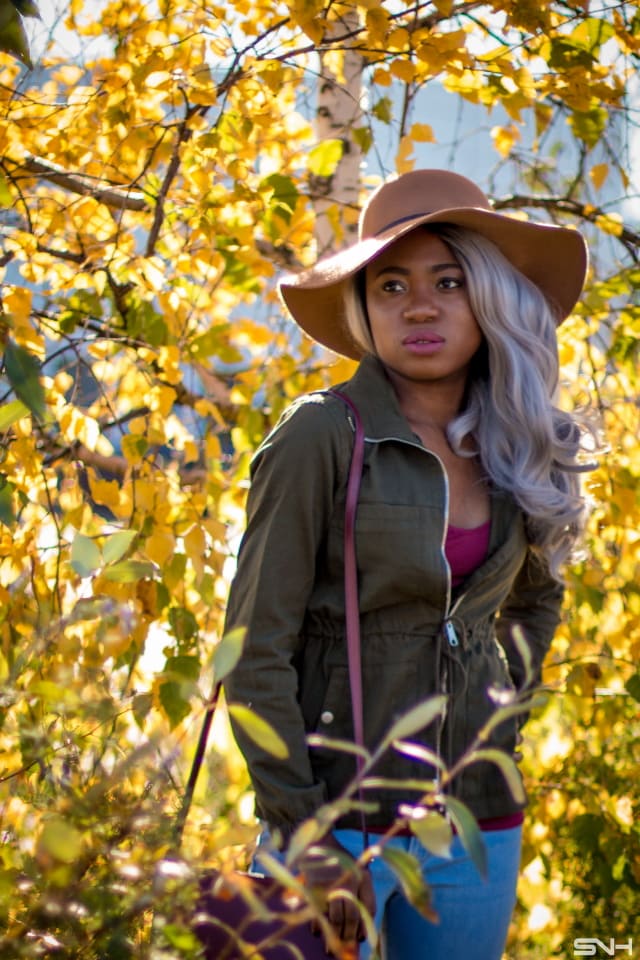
column 227, row 653
column 401, row 783
column 115, row 546
column 23, row 373
column 383, row 110
column 505, row 713
column 182, row 938
column 284, row 195
column 415, row 719
column 363, row 137
column 434, row 833
column 566, row 55
column 259, row 730
column 419, row 752
column 523, row 648
column 85, row 555
column 507, row 766
column 27, row 8
column 324, row 158
column 129, row 571
column 306, row 835
column 7, row 507
column 589, row 125
column 142, row 705
column 61, row 840
column 633, row 686
column 11, row 412
column 177, row 686
column 13, row 36
column 174, row 703
column 407, row 869
column 469, row 833
column 187, row 668
column 6, row 199
column 183, row 625
column 333, row 743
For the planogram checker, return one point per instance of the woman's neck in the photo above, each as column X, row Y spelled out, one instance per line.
column 430, row 405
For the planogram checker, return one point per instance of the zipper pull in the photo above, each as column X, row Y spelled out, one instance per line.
column 450, row 634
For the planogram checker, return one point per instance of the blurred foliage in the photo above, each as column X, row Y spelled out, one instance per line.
column 149, row 196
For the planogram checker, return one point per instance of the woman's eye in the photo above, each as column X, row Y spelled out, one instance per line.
column 393, row 286
column 451, row 283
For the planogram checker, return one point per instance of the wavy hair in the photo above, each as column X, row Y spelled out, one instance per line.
column 526, row 444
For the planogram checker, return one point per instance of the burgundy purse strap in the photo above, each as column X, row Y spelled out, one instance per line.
column 352, row 612
column 352, row 609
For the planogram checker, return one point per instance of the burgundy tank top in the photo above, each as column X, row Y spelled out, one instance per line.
column 466, row 549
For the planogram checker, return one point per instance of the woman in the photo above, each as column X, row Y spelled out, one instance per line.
column 468, row 507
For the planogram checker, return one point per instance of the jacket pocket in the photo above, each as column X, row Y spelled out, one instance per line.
column 399, row 558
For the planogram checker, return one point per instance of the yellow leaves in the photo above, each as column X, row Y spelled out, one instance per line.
column 467, row 83
column 77, row 426
column 421, row 133
column 160, row 546
column 598, row 174
column 382, row 77
column 196, row 548
column 611, row 223
column 169, row 363
column 158, row 78
column 306, row 17
column 403, row 69
column 378, row 23
column 505, row 138
column 161, row 399
column 134, row 448
column 405, row 159
column 105, row 492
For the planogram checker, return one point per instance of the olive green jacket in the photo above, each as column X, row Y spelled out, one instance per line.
column 288, row 592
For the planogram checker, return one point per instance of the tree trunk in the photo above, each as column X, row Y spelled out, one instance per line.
column 339, row 113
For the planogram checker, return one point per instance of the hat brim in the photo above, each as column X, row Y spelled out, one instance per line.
column 554, row 258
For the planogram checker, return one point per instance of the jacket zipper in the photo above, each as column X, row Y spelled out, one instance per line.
column 448, row 628
column 447, row 625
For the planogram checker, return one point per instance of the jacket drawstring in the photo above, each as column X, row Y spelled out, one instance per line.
column 454, row 631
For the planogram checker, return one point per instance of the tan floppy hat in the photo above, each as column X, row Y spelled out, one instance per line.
column 554, row 258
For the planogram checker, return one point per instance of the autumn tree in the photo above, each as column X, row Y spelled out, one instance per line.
column 151, row 194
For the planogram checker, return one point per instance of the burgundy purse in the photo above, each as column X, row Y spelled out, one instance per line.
column 227, row 921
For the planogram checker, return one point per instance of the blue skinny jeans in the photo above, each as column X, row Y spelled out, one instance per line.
column 474, row 913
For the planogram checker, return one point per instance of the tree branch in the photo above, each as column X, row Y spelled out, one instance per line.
column 585, row 211
column 184, row 134
column 113, row 197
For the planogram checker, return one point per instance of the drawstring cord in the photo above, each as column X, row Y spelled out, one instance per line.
column 455, row 633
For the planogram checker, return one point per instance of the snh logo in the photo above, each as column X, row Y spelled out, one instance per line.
column 594, row 947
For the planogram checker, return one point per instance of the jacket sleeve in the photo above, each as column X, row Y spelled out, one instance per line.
column 534, row 605
column 294, row 476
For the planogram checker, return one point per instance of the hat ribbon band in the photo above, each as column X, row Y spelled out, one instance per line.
column 396, row 223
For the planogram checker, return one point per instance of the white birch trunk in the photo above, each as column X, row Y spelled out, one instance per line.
column 339, row 112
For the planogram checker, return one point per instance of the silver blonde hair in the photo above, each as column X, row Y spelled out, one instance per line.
column 526, row 444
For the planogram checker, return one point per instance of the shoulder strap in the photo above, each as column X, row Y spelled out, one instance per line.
column 352, row 610
column 351, row 570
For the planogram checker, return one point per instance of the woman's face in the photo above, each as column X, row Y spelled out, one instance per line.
column 421, row 321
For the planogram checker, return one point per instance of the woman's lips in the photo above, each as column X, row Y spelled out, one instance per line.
column 423, row 343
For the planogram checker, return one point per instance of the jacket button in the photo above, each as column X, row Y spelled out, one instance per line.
column 326, row 716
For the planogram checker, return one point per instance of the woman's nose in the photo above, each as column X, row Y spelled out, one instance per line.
column 422, row 307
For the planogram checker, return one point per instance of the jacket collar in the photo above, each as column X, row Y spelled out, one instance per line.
column 376, row 400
